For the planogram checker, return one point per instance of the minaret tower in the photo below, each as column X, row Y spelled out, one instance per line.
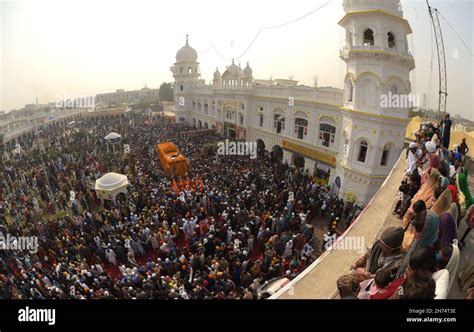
column 186, row 74
column 377, row 94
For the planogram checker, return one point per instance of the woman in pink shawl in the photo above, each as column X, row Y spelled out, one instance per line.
column 426, row 194
column 433, row 163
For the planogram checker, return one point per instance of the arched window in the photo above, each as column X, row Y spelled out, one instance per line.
column 279, row 122
column 363, row 151
column 190, row 70
column 391, row 40
column 368, row 37
column 385, row 155
column 301, row 128
column 345, row 146
column 241, row 119
column 199, row 105
column 181, row 88
column 350, row 94
column 206, row 108
column 194, row 105
column 181, row 70
column 327, row 134
column 260, row 120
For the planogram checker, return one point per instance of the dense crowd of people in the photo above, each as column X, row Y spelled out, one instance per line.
column 248, row 224
column 419, row 259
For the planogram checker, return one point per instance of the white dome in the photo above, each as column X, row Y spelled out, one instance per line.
column 234, row 70
column 112, row 136
column 248, row 71
column 391, row 6
column 111, row 181
column 186, row 53
column 217, row 74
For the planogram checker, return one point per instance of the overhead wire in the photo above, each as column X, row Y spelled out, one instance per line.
column 213, row 47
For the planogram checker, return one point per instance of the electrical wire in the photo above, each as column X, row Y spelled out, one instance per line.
column 457, row 34
column 213, row 47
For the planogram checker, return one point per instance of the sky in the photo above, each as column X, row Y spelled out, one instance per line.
column 84, row 47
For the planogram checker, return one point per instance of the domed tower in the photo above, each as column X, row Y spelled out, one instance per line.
column 248, row 75
column 217, row 81
column 232, row 75
column 377, row 94
column 186, row 74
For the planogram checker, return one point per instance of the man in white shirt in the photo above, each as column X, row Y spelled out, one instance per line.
column 411, row 165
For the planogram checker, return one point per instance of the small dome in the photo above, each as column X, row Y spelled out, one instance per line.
column 112, row 136
column 111, row 181
column 234, row 70
column 248, row 71
column 217, row 74
column 391, row 6
column 186, row 53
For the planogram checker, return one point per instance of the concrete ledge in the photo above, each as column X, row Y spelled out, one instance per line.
column 318, row 281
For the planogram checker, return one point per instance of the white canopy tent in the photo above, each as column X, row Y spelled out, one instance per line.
column 113, row 138
column 110, row 185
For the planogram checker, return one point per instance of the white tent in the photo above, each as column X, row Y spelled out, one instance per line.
column 110, row 185
column 113, row 136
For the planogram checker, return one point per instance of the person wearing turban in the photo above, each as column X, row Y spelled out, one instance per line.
column 385, row 253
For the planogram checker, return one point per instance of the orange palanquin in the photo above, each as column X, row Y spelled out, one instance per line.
column 173, row 162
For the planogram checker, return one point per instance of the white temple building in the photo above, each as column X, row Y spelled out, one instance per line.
column 346, row 137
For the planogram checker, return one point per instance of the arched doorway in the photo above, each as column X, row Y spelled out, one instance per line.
column 260, row 147
column 199, row 124
column 277, row 153
column 206, row 125
column 297, row 160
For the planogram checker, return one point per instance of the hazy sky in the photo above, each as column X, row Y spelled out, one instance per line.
column 82, row 47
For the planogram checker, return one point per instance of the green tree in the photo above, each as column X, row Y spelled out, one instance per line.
column 166, row 92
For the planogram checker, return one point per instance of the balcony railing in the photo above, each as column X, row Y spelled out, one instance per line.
column 344, row 52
